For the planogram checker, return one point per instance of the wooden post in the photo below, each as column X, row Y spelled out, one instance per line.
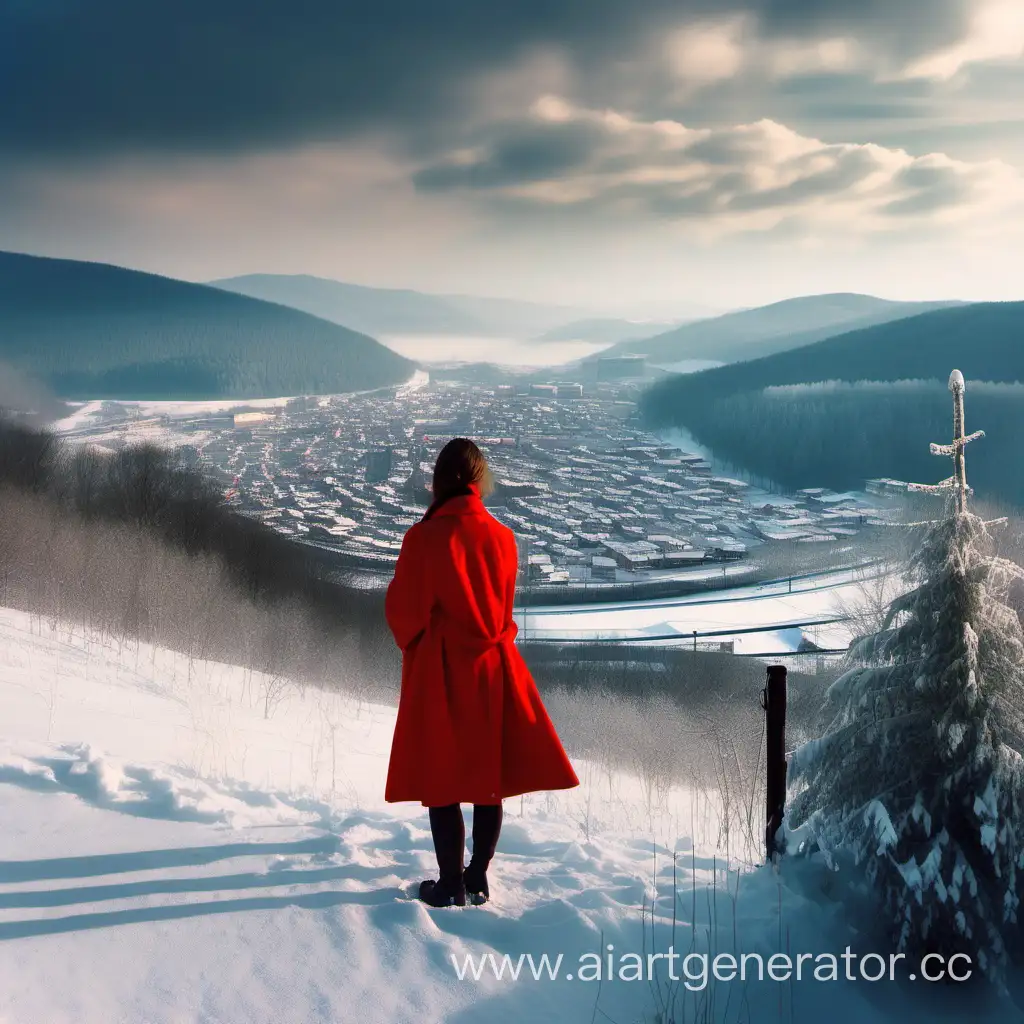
column 774, row 702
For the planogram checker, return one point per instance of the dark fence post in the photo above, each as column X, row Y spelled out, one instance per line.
column 774, row 703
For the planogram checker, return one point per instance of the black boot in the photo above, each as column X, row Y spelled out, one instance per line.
column 486, row 829
column 449, row 833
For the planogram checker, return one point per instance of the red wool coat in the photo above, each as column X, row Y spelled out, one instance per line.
column 471, row 727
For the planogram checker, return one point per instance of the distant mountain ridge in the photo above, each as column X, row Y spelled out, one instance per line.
column 765, row 330
column 397, row 311
column 92, row 330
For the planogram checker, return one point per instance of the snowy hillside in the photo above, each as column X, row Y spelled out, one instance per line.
column 195, row 843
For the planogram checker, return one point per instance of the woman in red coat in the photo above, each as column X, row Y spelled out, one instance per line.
column 471, row 727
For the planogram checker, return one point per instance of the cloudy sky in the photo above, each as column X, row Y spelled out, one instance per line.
column 635, row 156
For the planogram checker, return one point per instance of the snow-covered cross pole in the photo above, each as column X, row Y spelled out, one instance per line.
column 958, row 481
column 957, row 386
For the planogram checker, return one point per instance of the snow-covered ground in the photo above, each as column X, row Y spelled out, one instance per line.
column 118, row 420
column 86, row 414
column 170, row 854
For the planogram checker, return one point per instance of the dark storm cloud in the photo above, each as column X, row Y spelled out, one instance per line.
column 523, row 153
column 905, row 28
column 99, row 76
column 930, row 188
column 854, row 97
column 723, row 148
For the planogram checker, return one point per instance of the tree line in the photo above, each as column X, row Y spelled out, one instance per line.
column 139, row 546
column 839, row 434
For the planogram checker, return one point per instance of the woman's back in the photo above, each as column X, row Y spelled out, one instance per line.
column 473, row 562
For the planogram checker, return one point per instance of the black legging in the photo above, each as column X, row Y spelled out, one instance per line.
column 448, row 829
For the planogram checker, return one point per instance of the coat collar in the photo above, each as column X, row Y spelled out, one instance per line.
column 464, row 504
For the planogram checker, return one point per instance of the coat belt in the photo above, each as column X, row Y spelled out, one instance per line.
column 479, row 644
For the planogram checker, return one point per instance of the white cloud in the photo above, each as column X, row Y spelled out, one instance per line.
column 552, row 108
column 703, row 53
column 706, row 52
column 785, row 58
column 996, row 32
column 739, row 178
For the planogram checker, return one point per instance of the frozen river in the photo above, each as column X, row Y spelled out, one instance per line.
column 761, row 619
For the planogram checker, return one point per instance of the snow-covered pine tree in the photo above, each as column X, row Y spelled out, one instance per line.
column 919, row 771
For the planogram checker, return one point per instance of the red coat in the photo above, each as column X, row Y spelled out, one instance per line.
column 471, row 727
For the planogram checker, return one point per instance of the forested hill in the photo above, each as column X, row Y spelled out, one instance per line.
column 89, row 330
column 865, row 404
column 765, row 330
